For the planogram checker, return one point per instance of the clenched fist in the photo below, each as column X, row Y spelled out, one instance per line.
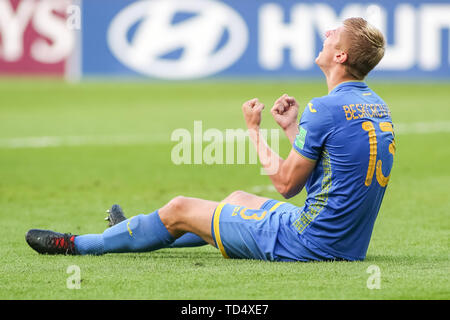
column 252, row 113
column 285, row 111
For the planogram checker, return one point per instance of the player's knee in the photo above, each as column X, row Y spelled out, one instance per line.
column 235, row 196
column 175, row 210
column 177, row 204
column 173, row 213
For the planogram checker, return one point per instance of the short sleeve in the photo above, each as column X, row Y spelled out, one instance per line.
column 316, row 124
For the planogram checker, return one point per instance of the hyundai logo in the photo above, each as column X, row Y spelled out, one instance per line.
column 177, row 39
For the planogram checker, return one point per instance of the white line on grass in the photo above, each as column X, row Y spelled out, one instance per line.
column 263, row 188
column 422, row 127
column 108, row 140
column 70, row 141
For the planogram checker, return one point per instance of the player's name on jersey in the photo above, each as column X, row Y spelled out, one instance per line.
column 358, row 110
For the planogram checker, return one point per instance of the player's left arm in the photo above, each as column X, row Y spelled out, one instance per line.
column 288, row 176
column 292, row 174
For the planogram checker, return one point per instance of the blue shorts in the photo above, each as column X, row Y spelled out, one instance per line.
column 263, row 234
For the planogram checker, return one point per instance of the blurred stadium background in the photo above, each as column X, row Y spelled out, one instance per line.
column 91, row 90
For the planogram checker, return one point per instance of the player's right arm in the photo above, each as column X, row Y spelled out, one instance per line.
column 288, row 176
column 285, row 113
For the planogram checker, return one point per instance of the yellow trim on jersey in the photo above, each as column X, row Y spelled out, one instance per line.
column 276, row 206
column 217, row 231
column 345, row 82
column 301, row 155
column 320, row 201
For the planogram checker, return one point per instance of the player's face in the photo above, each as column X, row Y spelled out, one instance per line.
column 330, row 45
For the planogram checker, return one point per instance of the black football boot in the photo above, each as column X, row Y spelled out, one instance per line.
column 50, row 242
column 115, row 215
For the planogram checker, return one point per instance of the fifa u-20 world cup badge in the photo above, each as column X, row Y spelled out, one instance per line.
column 300, row 138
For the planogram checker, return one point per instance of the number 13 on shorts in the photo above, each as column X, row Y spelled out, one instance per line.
column 249, row 214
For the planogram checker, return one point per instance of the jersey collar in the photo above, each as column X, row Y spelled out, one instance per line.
column 346, row 85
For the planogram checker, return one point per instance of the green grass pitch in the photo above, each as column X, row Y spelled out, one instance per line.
column 68, row 186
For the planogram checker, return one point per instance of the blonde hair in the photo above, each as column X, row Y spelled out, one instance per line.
column 365, row 47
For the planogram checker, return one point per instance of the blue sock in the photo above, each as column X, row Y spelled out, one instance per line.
column 188, row 240
column 137, row 234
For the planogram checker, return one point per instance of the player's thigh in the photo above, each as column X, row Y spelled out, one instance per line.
column 184, row 214
column 242, row 198
column 245, row 233
column 262, row 234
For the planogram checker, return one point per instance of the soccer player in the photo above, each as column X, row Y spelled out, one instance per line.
column 343, row 148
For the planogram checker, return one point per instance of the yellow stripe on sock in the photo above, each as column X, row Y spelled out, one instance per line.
column 217, row 231
column 128, row 226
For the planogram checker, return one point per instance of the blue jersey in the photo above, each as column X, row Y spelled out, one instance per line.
column 350, row 134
